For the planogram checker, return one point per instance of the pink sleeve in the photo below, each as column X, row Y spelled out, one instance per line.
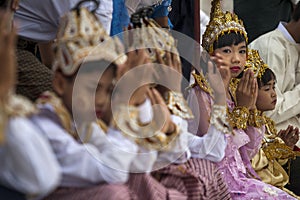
column 256, row 136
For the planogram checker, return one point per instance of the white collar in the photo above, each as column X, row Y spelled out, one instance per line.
column 284, row 31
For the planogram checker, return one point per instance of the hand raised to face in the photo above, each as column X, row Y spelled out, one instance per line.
column 247, row 90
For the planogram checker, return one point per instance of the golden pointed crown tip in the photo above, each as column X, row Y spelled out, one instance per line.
column 221, row 23
column 256, row 63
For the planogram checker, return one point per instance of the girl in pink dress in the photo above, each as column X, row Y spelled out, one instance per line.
column 226, row 41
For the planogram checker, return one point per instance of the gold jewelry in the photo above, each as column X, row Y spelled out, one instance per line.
column 233, row 84
column 238, row 117
column 277, row 149
column 270, row 126
column 221, row 23
column 178, row 105
column 203, row 83
column 14, row 106
column 255, row 119
column 219, row 119
column 255, row 63
column 126, row 119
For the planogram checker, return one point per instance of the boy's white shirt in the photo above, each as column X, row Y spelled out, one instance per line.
column 28, row 164
column 211, row 146
column 105, row 158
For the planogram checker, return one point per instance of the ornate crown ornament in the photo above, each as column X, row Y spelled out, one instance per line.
column 219, row 24
column 147, row 33
column 255, row 63
column 81, row 37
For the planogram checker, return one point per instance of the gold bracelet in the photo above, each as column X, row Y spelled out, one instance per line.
column 238, row 117
column 126, row 119
column 178, row 106
column 219, row 119
column 255, row 118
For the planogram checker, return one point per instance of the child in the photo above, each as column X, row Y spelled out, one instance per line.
column 192, row 174
column 28, row 165
column 267, row 163
column 225, row 40
column 93, row 163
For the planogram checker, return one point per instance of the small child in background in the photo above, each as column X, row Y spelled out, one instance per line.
column 277, row 147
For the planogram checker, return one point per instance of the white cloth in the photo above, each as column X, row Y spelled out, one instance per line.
column 279, row 50
column 211, row 146
column 134, row 5
column 104, row 158
column 204, row 20
column 28, row 164
column 294, row 1
column 39, row 20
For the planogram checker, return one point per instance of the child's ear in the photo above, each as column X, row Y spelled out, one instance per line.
column 59, row 83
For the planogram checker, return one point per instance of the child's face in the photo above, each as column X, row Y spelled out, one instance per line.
column 266, row 99
column 78, row 93
column 235, row 56
column 103, row 94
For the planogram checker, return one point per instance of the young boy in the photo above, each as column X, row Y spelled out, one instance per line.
column 276, row 148
column 87, row 155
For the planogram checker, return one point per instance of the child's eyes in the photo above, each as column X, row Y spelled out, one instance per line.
column 242, row 51
column 226, row 50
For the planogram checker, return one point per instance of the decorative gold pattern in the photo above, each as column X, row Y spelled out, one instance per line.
column 238, row 117
column 255, row 119
column 203, row 83
column 152, row 36
column 233, row 84
column 219, row 119
column 270, row 126
column 81, row 37
column 126, row 119
column 221, row 23
column 178, row 105
column 255, row 63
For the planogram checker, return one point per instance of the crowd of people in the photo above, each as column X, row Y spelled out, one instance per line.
column 93, row 105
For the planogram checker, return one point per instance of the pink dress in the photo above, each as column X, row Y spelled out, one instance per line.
column 243, row 182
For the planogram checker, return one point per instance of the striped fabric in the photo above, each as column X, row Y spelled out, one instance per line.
column 145, row 187
column 101, row 192
column 197, row 179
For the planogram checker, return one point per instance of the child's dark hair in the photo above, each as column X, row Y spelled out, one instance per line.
column 229, row 39
column 266, row 77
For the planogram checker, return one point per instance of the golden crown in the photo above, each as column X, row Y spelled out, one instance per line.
column 81, row 37
column 255, row 63
column 219, row 24
column 147, row 33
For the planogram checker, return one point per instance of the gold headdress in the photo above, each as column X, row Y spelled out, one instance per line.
column 255, row 63
column 81, row 37
column 219, row 24
column 147, row 33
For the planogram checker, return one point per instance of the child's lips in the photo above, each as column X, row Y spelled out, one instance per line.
column 98, row 113
column 274, row 102
column 235, row 68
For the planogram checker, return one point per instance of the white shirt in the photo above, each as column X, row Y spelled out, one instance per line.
column 28, row 164
column 39, row 20
column 104, row 158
